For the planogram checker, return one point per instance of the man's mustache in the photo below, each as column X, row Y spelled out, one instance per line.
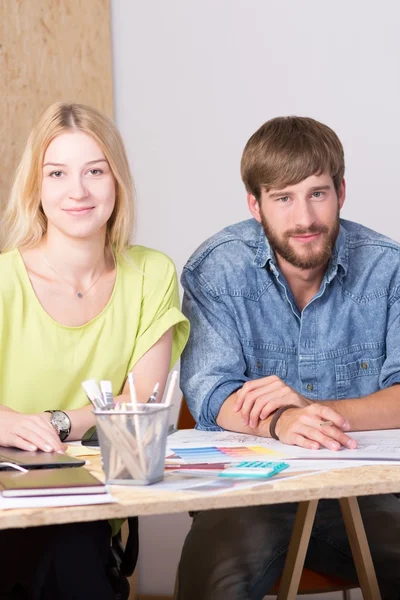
column 313, row 229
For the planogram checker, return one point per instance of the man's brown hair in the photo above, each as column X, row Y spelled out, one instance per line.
column 286, row 150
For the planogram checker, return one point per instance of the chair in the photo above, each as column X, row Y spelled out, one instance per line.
column 123, row 558
column 311, row 582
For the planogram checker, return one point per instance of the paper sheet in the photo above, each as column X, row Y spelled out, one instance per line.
column 50, row 501
column 379, row 446
column 77, row 450
column 187, row 482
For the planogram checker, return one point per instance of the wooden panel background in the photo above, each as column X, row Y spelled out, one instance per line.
column 50, row 50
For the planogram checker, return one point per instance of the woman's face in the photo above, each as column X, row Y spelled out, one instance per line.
column 78, row 187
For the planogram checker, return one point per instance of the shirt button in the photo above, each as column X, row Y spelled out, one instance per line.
column 310, row 387
column 364, row 365
column 259, row 365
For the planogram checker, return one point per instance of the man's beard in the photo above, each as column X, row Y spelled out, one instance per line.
column 310, row 259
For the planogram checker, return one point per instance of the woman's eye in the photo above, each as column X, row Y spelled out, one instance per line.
column 56, row 174
column 96, row 171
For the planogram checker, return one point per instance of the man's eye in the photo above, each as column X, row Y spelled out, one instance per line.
column 317, row 194
column 56, row 174
column 284, row 199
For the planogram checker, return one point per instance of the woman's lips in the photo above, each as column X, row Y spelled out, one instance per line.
column 78, row 211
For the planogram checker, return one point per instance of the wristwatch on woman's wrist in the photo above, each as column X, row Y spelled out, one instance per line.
column 61, row 423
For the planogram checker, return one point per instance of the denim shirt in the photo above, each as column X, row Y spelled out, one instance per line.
column 245, row 323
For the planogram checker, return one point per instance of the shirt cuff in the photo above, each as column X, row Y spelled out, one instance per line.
column 391, row 381
column 213, row 402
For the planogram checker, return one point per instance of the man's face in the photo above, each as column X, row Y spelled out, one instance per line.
column 301, row 221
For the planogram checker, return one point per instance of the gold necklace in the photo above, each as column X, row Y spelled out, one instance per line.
column 78, row 293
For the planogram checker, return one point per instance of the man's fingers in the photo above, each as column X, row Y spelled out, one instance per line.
column 255, row 388
column 329, row 437
column 312, row 433
column 246, row 409
column 335, row 433
column 238, row 402
column 299, row 440
column 328, row 414
column 246, row 399
column 271, row 406
column 253, row 403
column 256, row 411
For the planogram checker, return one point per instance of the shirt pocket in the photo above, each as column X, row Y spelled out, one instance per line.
column 263, row 367
column 358, row 378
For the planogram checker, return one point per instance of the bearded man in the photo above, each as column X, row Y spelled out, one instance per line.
column 295, row 324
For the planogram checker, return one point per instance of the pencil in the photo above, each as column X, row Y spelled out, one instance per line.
column 136, row 425
column 171, row 388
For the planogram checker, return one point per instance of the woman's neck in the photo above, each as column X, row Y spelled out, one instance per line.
column 76, row 259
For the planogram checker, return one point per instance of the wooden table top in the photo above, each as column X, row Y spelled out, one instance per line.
column 143, row 500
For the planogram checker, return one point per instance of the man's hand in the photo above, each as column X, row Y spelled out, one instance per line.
column 28, row 432
column 303, row 427
column 258, row 398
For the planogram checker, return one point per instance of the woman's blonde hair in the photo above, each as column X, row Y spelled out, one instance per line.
column 24, row 220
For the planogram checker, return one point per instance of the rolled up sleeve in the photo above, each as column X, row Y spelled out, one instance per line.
column 212, row 366
column 390, row 373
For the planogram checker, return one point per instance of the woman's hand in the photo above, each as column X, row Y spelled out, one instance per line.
column 28, row 432
column 259, row 398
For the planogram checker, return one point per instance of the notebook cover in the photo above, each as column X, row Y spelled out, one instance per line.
column 38, row 459
column 49, row 482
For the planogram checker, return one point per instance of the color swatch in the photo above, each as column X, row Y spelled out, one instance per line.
column 223, row 454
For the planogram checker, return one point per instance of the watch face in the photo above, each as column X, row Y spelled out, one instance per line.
column 61, row 420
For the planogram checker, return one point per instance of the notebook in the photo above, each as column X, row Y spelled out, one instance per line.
column 37, row 460
column 49, row 482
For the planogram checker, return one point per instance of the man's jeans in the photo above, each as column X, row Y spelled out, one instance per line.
column 238, row 553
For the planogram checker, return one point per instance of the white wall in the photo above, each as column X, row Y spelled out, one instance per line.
column 195, row 78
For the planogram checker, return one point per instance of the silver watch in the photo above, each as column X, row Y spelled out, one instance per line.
column 61, row 423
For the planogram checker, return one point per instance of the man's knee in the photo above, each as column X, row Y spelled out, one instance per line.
column 228, row 552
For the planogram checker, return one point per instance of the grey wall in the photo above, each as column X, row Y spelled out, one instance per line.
column 195, row 78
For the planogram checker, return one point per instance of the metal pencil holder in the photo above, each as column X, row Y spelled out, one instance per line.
column 133, row 443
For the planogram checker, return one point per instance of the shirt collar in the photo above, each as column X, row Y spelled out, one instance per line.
column 340, row 255
column 264, row 252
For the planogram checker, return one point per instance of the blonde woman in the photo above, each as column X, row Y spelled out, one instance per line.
column 77, row 301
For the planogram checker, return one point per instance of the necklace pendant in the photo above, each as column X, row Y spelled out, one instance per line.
column 80, row 295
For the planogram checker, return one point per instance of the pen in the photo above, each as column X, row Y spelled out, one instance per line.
column 195, row 466
column 94, row 394
column 106, row 390
column 171, row 387
column 136, row 426
column 154, row 394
